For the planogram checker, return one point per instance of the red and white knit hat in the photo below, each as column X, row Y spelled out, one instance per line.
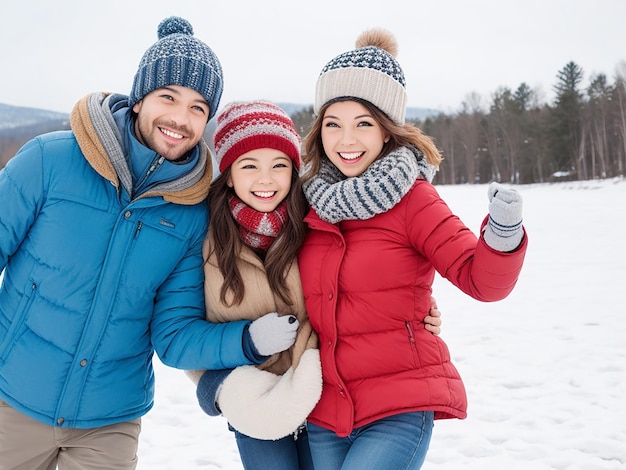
column 243, row 126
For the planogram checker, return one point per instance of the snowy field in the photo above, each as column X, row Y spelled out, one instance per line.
column 545, row 369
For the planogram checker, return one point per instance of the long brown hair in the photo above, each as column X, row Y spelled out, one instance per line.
column 406, row 134
column 228, row 243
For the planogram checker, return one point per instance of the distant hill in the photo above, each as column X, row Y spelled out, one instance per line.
column 12, row 117
column 20, row 124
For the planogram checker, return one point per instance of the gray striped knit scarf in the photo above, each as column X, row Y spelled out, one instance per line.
column 335, row 197
column 103, row 121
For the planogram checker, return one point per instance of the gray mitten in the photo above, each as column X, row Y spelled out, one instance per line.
column 503, row 231
column 272, row 333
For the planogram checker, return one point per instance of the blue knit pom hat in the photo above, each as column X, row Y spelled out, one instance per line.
column 178, row 58
column 370, row 72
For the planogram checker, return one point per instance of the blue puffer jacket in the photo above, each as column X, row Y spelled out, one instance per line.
column 95, row 280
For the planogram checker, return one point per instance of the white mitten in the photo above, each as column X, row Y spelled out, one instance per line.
column 503, row 231
column 272, row 333
column 267, row 406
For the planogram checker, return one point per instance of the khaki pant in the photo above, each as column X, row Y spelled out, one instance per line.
column 27, row 444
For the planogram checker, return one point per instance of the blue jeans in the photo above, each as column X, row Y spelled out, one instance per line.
column 398, row 442
column 289, row 453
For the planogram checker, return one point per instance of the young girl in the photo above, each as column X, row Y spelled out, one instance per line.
column 378, row 230
column 257, row 209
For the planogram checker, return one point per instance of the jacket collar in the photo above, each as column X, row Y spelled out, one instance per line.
column 100, row 140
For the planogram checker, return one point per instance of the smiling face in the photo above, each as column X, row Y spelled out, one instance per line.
column 171, row 120
column 351, row 137
column 261, row 178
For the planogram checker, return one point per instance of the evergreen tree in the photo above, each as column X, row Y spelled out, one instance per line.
column 566, row 119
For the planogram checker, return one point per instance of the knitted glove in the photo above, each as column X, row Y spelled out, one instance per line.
column 503, row 231
column 272, row 333
column 208, row 389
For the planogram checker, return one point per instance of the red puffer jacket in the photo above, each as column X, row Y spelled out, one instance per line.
column 367, row 287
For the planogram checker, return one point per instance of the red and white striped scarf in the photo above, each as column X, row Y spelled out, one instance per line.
column 257, row 229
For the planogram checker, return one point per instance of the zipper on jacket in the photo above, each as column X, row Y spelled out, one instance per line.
column 139, row 225
column 408, row 328
column 157, row 163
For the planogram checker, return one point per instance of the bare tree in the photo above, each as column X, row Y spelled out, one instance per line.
column 599, row 93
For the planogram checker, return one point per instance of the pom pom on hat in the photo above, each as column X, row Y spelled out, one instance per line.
column 243, row 126
column 370, row 72
column 178, row 58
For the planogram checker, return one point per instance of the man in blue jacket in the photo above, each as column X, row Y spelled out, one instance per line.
column 101, row 230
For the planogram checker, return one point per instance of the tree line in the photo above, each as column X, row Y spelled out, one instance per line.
column 581, row 135
column 516, row 139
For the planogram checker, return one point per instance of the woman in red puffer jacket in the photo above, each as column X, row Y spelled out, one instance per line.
column 378, row 232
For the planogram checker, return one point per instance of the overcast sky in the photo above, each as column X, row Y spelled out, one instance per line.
column 54, row 52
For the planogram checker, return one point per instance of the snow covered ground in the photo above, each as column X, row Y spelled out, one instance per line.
column 545, row 369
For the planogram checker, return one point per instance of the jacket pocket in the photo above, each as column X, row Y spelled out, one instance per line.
column 17, row 322
column 412, row 343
